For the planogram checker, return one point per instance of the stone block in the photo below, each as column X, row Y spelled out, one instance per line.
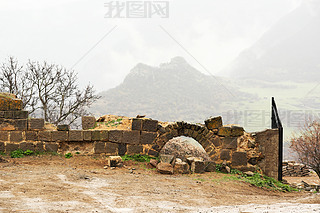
column 197, row 166
column 88, row 122
column 216, row 141
column 229, row 143
column 150, row 125
column 87, row 135
column 45, row 135
column 122, row 149
column 7, row 114
column 134, row 149
column 136, row 124
column 181, row 168
column 4, row 136
column 224, row 131
column 21, row 124
column 225, row 154
column 31, row 135
column 51, row 147
column 99, row 135
column 58, row 136
column 35, row 124
column 210, row 166
column 10, row 147
column 165, row 168
column 152, row 153
column 9, row 102
column 239, row 159
column 99, row 147
column 237, row 131
column 111, row 148
column 20, row 114
column 39, row 147
column 76, row 135
column 115, row 136
column 16, row 136
column 153, row 162
column 96, row 135
column 233, row 131
column 147, row 137
column 213, row 123
column 26, row 146
column 2, row 147
column 104, row 135
column 63, row 127
column 7, row 124
column 131, row 137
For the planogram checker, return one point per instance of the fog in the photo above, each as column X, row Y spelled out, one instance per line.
column 68, row 32
column 245, row 51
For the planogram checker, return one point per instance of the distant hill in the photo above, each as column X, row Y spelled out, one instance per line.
column 172, row 91
column 288, row 51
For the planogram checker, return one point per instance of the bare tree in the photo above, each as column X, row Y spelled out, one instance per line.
column 53, row 91
column 307, row 145
column 14, row 79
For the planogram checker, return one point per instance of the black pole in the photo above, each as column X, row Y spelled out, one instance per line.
column 276, row 124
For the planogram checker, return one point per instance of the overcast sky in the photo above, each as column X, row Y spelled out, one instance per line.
column 75, row 34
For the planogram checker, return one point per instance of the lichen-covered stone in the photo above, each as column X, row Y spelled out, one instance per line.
column 231, row 131
column 9, row 102
column 213, row 123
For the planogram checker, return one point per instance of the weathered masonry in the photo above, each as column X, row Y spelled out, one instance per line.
column 242, row 150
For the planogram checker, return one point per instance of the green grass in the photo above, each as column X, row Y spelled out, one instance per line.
column 68, row 155
column 138, row 157
column 20, row 153
column 111, row 123
column 258, row 180
column 2, row 153
column 200, row 179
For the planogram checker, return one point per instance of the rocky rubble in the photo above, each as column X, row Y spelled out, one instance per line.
column 169, row 164
column 306, row 186
column 293, row 169
column 183, row 148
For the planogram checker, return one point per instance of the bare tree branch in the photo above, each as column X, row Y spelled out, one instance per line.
column 47, row 89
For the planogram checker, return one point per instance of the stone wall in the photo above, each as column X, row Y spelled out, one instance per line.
column 230, row 144
column 241, row 150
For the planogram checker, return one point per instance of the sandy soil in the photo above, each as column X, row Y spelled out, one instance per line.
column 81, row 184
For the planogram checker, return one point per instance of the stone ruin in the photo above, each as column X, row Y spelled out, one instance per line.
column 293, row 169
column 226, row 144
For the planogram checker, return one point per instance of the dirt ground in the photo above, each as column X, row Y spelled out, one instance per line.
column 81, row 184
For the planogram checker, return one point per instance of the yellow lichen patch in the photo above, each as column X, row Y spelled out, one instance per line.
column 9, row 102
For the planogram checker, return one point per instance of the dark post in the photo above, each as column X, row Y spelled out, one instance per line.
column 276, row 124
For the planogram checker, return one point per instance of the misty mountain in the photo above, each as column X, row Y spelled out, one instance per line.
column 288, row 51
column 172, row 91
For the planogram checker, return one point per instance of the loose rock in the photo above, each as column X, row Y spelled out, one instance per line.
column 181, row 168
column 197, row 166
column 165, row 168
column 154, row 162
